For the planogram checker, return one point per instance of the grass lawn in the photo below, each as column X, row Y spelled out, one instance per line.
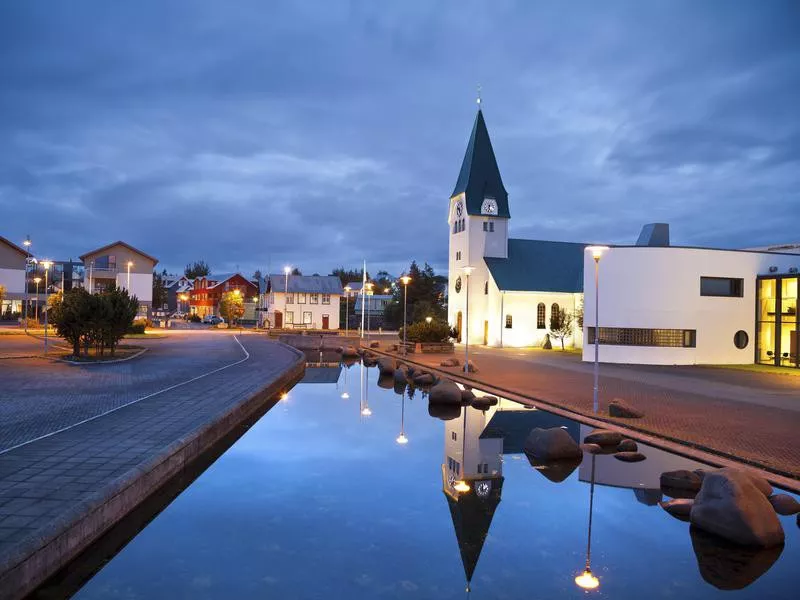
column 145, row 336
column 21, row 331
column 772, row 369
column 122, row 351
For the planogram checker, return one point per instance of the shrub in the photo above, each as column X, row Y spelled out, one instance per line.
column 435, row 331
column 195, row 318
column 138, row 326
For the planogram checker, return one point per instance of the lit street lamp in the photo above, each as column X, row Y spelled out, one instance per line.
column 37, row 280
column 286, row 271
column 405, row 280
column 467, row 271
column 597, row 252
column 27, row 243
column 46, row 264
column 428, row 320
column 130, row 264
column 367, row 297
column 347, row 289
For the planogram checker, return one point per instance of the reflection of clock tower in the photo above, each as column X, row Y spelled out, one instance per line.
column 478, row 218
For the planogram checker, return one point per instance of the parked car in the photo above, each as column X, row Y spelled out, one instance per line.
column 178, row 315
column 213, row 320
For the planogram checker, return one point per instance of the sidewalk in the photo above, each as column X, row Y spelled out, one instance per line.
column 699, row 415
column 60, row 492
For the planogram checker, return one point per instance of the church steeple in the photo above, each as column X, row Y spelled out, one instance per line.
column 479, row 178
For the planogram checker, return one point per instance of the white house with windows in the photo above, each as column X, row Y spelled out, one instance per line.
column 514, row 286
column 303, row 301
column 673, row 305
column 13, row 261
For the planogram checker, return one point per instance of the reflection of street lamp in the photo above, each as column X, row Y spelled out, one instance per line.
column 37, row 280
column 347, row 289
column 467, row 271
column 461, row 485
column 597, row 252
column 405, row 279
column 345, row 394
column 587, row 580
column 428, row 319
column 402, row 439
column 46, row 264
column 365, row 410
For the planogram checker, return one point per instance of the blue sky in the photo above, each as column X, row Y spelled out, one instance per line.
column 320, row 133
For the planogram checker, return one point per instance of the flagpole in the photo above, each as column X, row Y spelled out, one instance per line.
column 363, row 296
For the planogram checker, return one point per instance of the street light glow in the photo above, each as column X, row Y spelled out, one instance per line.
column 461, row 486
column 366, row 411
column 428, row 319
column 27, row 242
column 345, row 395
column 402, row 439
column 36, row 280
column 287, row 270
column 468, row 270
column 597, row 251
column 587, row 580
column 47, row 264
column 405, row 279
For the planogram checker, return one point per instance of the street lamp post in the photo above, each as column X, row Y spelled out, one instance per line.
column 46, row 264
column 27, row 244
column 37, row 280
column 347, row 289
column 367, row 296
column 597, row 252
column 130, row 264
column 467, row 271
column 405, row 280
column 286, row 271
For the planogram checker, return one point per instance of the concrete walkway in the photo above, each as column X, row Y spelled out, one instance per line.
column 61, row 487
column 741, row 416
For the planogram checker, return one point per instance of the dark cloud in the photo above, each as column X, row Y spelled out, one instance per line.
column 322, row 133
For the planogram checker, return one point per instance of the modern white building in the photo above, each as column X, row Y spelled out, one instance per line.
column 671, row 305
column 514, row 285
column 12, row 276
column 304, row 301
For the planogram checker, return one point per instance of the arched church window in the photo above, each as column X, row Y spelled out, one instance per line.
column 540, row 316
column 554, row 311
column 486, row 289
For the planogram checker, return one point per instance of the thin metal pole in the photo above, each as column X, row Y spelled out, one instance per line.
column 596, row 330
column 285, row 300
column 45, row 309
column 591, row 506
column 346, row 314
column 466, row 336
column 129, row 278
column 502, row 308
column 36, row 303
column 25, row 312
column 405, row 320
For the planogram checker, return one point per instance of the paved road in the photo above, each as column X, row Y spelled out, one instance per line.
column 42, row 483
column 735, row 414
column 40, row 396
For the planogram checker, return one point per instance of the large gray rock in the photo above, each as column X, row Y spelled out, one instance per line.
column 445, row 392
column 467, row 395
column 729, row 566
column 730, row 504
column 551, row 444
column 386, row 366
column 555, row 470
column 603, row 437
column 423, row 379
column 679, row 508
column 681, row 480
column 784, row 504
column 445, row 412
column 450, row 362
column 620, row 408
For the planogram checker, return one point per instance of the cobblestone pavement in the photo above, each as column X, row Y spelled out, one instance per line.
column 696, row 411
column 39, row 396
column 42, row 480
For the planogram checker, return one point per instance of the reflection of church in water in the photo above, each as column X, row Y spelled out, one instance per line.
column 472, row 468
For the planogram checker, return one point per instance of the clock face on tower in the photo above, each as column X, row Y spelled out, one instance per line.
column 482, row 488
column 459, row 209
column 489, row 207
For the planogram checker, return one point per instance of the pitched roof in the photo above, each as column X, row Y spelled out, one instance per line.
column 118, row 243
column 13, row 246
column 539, row 266
column 479, row 177
column 309, row 284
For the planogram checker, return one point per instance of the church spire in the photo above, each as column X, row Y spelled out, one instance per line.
column 479, row 178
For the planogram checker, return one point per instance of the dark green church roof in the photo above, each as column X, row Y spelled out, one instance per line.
column 480, row 177
column 539, row 266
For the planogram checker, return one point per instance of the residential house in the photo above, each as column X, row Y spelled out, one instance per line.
column 13, row 261
column 207, row 291
column 179, row 289
column 125, row 266
column 304, row 301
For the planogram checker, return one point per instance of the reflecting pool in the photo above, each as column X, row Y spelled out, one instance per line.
column 348, row 488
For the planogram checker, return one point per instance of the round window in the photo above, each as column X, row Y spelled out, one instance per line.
column 740, row 339
column 458, row 285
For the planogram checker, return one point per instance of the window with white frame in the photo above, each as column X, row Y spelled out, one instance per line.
column 289, row 298
column 313, row 298
column 289, row 317
column 301, row 298
column 306, row 317
column 326, row 298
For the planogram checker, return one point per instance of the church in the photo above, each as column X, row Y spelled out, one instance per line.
column 503, row 291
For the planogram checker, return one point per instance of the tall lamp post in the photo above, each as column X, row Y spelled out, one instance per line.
column 467, row 271
column 286, row 271
column 130, row 264
column 27, row 243
column 405, row 280
column 46, row 264
column 367, row 296
column 37, row 280
column 597, row 252
column 347, row 289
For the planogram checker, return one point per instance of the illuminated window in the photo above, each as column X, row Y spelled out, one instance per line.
column 508, row 321
column 629, row 336
column 540, row 316
column 306, row 318
column 326, row 298
column 313, row 298
column 301, row 298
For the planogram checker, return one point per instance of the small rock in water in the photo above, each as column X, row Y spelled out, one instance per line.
column 551, row 444
column 784, row 504
column 630, row 456
column 681, row 480
column 619, row 408
column 627, row 446
column 603, row 437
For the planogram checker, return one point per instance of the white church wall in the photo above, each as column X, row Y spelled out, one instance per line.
column 659, row 288
column 522, row 307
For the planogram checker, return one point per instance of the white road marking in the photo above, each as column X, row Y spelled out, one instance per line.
column 108, row 412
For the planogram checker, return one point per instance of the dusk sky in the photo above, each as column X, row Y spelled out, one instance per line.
column 318, row 134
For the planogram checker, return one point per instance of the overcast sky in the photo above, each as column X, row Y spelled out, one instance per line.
column 319, row 133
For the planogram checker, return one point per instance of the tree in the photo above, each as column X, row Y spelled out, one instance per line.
column 159, row 291
column 349, row 275
column 561, row 324
column 425, row 297
column 121, row 310
column 198, row 268
column 231, row 305
column 579, row 315
column 296, row 271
